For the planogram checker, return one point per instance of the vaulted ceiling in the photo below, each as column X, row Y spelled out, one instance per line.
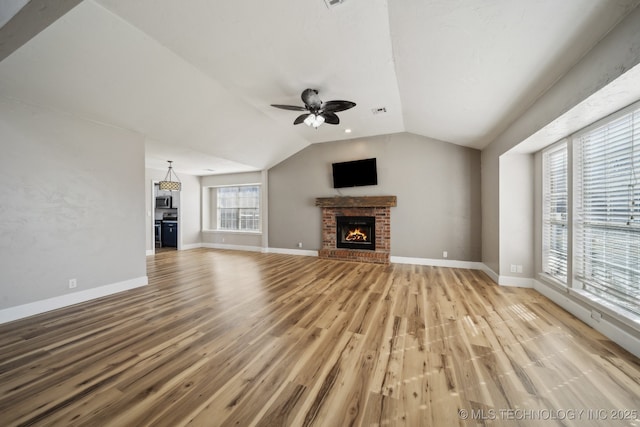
column 197, row 78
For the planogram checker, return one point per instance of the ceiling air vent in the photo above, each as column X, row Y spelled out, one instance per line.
column 333, row 3
column 379, row 110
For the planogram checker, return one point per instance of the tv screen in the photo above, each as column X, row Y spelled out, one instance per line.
column 355, row 174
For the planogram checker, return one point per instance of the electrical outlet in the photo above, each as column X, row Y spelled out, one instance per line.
column 518, row 268
column 299, row 244
column 444, row 254
column 513, row 268
column 596, row 315
column 73, row 283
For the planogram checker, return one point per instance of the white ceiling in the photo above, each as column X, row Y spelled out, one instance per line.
column 196, row 78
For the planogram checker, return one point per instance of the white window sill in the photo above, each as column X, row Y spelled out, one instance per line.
column 592, row 302
column 628, row 318
column 253, row 233
column 553, row 282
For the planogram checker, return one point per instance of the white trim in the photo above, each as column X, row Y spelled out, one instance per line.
column 30, row 309
column 492, row 274
column 610, row 330
column 232, row 247
column 517, row 282
column 186, row 247
column 552, row 281
column 150, row 252
column 605, row 307
column 437, row 262
column 239, row 232
column 287, row 251
column 521, row 282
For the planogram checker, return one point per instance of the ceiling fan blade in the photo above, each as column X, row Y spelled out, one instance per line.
column 331, row 118
column 335, row 106
column 300, row 119
column 289, row 107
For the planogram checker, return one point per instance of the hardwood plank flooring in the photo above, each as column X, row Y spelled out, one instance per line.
column 238, row 338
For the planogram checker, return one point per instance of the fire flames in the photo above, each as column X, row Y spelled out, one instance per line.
column 356, row 236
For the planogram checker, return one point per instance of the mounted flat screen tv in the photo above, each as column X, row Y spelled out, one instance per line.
column 355, row 174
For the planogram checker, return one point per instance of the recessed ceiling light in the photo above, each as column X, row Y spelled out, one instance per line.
column 333, row 3
column 347, row 131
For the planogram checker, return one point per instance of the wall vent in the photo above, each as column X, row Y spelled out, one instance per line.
column 333, row 3
column 379, row 110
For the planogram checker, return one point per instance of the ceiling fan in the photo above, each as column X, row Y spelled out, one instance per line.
column 318, row 112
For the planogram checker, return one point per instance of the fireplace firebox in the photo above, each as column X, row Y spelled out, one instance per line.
column 356, row 232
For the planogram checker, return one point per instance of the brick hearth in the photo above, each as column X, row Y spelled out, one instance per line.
column 378, row 207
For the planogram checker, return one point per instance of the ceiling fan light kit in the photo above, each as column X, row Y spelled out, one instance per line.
column 318, row 112
column 314, row 121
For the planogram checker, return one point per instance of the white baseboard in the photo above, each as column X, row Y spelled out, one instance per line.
column 492, row 274
column 150, row 252
column 437, row 262
column 518, row 282
column 521, row 282
column 610, row 330
column 30, row 309
column 232, row 247
column 190, row 246
column 287, row 251
column 451, row 263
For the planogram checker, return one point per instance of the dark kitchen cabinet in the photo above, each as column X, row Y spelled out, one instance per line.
column 170, row 234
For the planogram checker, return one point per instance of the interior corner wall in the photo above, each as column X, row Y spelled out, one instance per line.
column 437, row 185
column 72, row 205
column 189, row 213
column 490, row 171
column 616, row 53
column 516, row 216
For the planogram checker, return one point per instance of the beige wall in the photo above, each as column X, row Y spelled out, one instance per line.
column 72, row 205
column 437, row 185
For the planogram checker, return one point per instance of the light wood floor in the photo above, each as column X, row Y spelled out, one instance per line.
column 237, row 338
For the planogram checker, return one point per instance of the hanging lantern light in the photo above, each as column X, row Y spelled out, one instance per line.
column 168, row 183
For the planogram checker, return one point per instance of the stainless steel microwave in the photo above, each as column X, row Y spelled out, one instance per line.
column 163, row 202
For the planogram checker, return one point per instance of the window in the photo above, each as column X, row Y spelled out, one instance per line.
column 607, row 163
column 554, row 216
column 238, row 208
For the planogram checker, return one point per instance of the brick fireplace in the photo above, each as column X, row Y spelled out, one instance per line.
column 338, row 209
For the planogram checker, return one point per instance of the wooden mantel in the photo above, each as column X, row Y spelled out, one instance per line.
column 357, row 202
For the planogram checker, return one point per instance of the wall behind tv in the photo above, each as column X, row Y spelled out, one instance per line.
column 437, row 185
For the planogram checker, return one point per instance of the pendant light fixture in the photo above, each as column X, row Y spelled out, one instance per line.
column 168, row 183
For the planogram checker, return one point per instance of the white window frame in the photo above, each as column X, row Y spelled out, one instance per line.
column 577, row 284
column 217, row 208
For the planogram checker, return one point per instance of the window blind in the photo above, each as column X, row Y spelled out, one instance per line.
column 238, row 208
column 607, row 163
column 554, row 238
